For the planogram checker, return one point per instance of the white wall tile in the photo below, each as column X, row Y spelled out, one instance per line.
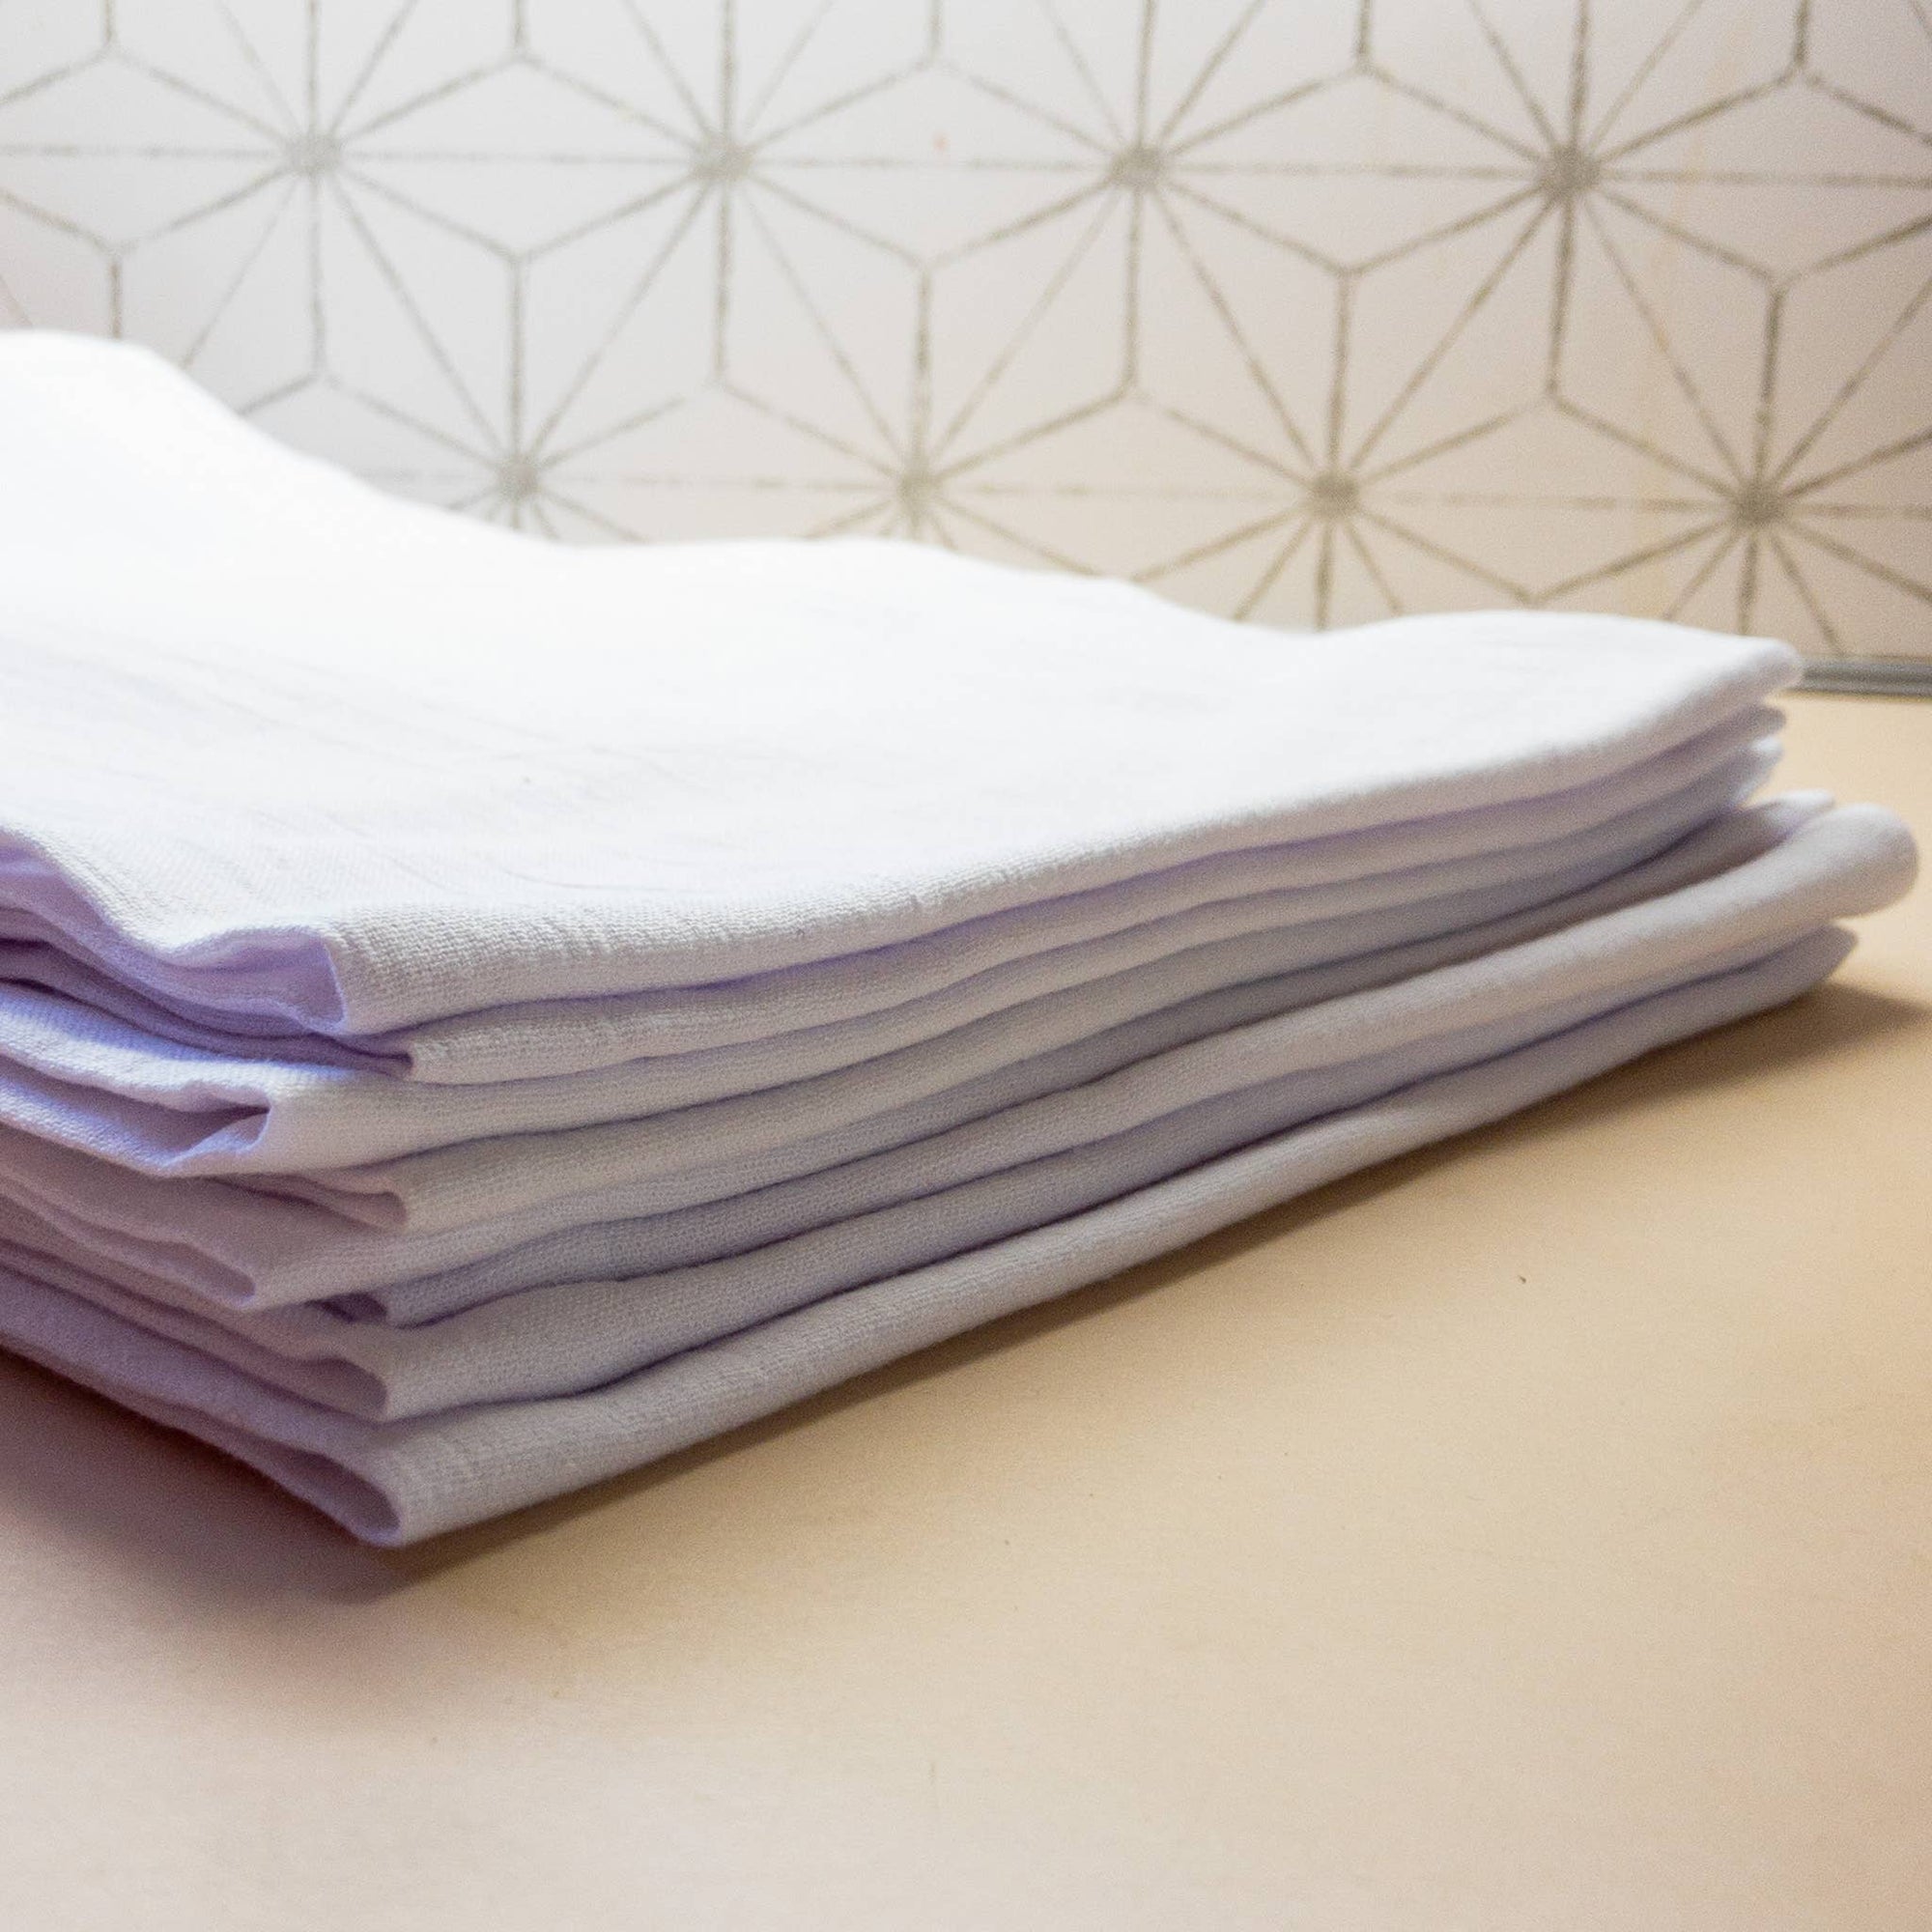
column 1305, row 311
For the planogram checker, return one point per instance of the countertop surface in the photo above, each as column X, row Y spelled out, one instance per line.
column 1533, row 1534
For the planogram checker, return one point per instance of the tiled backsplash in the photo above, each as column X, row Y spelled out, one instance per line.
column 1305, row 311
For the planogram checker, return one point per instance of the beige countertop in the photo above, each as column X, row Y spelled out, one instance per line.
column 1533, row 1535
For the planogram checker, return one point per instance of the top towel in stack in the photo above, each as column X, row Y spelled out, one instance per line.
column 476, row 1015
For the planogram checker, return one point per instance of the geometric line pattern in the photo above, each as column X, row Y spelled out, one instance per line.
column 1306, row 314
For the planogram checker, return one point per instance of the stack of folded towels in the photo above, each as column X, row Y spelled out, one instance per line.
column 475, row 1016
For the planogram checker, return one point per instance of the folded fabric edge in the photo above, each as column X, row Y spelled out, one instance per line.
column 59, row 1080
column 71, row 901
column 369, row 1369
column 398, row 1484
column 1851, row 861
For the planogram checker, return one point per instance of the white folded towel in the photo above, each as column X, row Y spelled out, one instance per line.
column 249, row 1249
column 312, row 757
column 397, row 1482
column 1030, row 1164
column 186, row 1099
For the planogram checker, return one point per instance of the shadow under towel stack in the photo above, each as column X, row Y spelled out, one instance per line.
column 475, row 1016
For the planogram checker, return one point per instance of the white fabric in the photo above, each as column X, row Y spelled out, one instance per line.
column 199, row 1103
column 399, row 1481
column 250, row 1249
column 475, row 1016
column 894, row 994
column 580, row 1335
column 1032, row 1164
column 1853, row 861
column 313, row 756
